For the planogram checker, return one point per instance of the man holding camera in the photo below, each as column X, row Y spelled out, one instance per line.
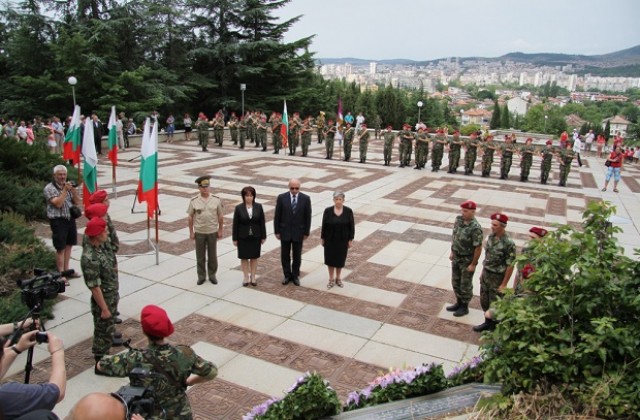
column 18, row 399
column 61, row 196
column 173, row 368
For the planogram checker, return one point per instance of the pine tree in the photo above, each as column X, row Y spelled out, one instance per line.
column 495, row 117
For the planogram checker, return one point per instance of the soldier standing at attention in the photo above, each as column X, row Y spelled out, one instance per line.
column 101, row 277
column 275, row 133
column 363, row 142
column 547, row 157
column 389, row 137
column 293, row 143
column 348, row 134
column 218, row 128
column 526, row 155
column 261, row 130
column 466, row 248
column 455, row 145
column 507, row 157
column 305, row 135
column 565, row 157
column 329, row 134
column 205, row 227
column 173, row 368
column 500, row 253
column 202, row 125
column 377, row 125
column 249, row 120
column 233, row 128
column 422, row 148
column 320, row 127
column 488, row 148
column 406, row 137
column 242, row 132
column 438, row 150
column 471, row 153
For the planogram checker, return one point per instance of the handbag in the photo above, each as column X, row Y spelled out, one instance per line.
column 607, row 163
column 75, row 212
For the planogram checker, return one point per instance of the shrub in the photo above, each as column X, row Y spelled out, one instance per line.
column 577, row 330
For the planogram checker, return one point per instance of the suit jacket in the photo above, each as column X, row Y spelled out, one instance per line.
column 292, row 227
column 243, row 225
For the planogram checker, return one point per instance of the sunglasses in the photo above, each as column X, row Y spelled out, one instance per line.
column 294, row 188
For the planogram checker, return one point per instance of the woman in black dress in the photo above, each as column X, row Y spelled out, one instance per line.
column 249, row 233
column 338, row 230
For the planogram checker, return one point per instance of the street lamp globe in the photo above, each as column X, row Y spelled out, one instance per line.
column 72, row 80
column 419, row 108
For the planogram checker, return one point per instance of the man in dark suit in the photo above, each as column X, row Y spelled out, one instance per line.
column 291, row 225
column 97, row 133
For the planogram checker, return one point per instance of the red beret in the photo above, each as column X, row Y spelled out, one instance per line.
column 500, row 217
column 456, row 133
column 440, row 131
column 202, row 116
column 95, row 210
column 470, row 205
column 98, row 196
column 538, row 231
column 473, row 134
column 155, row 322
column 363, row 125
column 389, row 127
column 406, row 125
column 549, row 142
column 527, row 271
column 95, row 227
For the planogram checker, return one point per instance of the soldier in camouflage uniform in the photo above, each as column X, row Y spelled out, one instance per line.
column 507, row 157
column 377, row 125
column 404, row 147
column 233, row 128
column 347, row 135
column 466, row 248
column 387, row 149
column 293, row 143
column 250, row 122
column 218, row 128
column 329, row 135
column 526, row 159
column 565, row 157
column 242, row 132
column 202, row 125
column 363, row 142
column 500, row 252
column 471, row 153
column 422, row 148
column 438, row 150
column 455, row 146
column 99, row 267
column 488, row 148
column 261, row 130
column 305, row 136
column 276, row 136
column 547, row 158
column 173, row 368
column 320, row 127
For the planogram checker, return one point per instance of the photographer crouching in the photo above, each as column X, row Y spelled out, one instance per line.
column 18, row 399
column 166, row 369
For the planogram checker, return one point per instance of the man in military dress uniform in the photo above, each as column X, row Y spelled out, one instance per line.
column 526, row 159
column 218, row 128
column 565, row 157
column 438, row 150
column 488, row 148
column 329, row 134
column 363, row 142
column 547, row 158
column 172, row 368
column 455, row 146
column 471, row 153
column 348, row 134
column 466, row 248
column 202, row 125
column 389, row 137
column 500, row 253
column 100, row 271
column 205, row 219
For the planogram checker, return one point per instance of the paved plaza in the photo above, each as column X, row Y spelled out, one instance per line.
column 397, row 279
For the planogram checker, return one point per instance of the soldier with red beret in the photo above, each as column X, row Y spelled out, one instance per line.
column 389, row 137
column 438, row 150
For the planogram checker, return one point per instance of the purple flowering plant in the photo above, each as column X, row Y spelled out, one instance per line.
column 470, row 371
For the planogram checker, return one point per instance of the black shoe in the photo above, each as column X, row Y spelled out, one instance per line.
column 117, row 321
column 462, row 310
column 275, row 153
column 97, row 358
column 200, row 281
column 417, row 167
column 286, row 280
column 296, row 280
column 213, row 280
column 485, row 326
column 454, row 307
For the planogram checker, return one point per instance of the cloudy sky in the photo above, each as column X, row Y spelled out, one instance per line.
column 431, row 29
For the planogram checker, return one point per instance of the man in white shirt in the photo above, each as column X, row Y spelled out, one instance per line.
column 359, row 120
column 588, row 141
column 577, row 146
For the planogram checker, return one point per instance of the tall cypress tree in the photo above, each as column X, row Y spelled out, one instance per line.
column 495, row 116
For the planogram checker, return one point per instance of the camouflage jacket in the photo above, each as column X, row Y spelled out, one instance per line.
column 499, row 253
column 176, row 362
column 466, row 237
column 389, row 137
column 99, row 268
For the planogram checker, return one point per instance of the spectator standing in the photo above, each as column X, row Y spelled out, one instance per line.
column 171, row 128
column 248, row 234
column 337, row 233
column 614, row 168
column 588, row 142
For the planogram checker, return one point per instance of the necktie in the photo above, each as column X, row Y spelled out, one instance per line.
column 294, row 203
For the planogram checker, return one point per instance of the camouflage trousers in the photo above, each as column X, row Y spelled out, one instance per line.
column 364, row 145
column 348, row 144
column 306, row 142
column 545, row 168
column 454, row 160
column 489, row 283
column 242, row 138
column 328, row 147
column 525, row 167
column 234, row 135
column 293, row 144
column 404, row 152
column 203, row 140
column 103, row 329
column 262, row 139
column 436, row 158
column 320, row 134
column 251, row 133
column 564, row 173
column 470, row 160
column 277, row 142
column 422, row 154
column 218, row 135
column 461, row 278
column 505, row 166
column 387, row 151
column 487, row 160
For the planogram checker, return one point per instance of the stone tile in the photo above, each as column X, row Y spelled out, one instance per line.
column 233, row 313
column 331, row 319
column 259, row 375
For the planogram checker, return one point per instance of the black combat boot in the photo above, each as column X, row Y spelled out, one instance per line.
column 462, row 310
column 485, row 326
column 455, row 306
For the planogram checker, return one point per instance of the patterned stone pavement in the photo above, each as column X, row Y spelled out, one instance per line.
column 390, row 312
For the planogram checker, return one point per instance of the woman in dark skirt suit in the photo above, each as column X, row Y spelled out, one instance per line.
column 249, row 233
column 338, row 230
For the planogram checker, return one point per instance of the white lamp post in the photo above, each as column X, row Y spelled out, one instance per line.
column 545, row 123
column 419, row 108
column 73, row 81
column 243, row 87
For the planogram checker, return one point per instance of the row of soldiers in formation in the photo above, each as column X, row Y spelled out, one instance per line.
column 254, row 126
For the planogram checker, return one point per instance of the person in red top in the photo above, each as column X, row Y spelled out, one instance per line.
column 563, row 140
column 600, row 142
column 616, row 157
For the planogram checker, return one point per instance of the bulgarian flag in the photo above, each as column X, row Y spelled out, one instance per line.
column 71, row 145
column 148, row 183
column 90, row 171
column 339, row 117
column 284, row 127
column 113, row 138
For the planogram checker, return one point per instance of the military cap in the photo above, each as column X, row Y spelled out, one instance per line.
column 95, row 227
column 440, row 131
column 330, row 122
column 469, row 205
column 527, row 271
column 95, row 210
column 473, row 134
column 538, row 231
column 155, row 321
column 529, row 139
column 389, row 127
column 98, row 196
column 500, row 217
column 456, row 133
column 549, row 142
column 202, row 116
column 203, row 181
column 405, row 125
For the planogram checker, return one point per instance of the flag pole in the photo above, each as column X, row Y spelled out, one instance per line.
column 113, row 180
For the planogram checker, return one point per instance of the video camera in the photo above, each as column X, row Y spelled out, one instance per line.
column 137, row 398
column 44, row 285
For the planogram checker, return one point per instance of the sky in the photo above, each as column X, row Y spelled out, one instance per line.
column 432, row 29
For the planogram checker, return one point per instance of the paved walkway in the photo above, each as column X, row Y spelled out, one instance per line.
column 397, row 281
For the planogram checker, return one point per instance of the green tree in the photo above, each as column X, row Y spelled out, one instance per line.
column 495, row 116
column 505, row 117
